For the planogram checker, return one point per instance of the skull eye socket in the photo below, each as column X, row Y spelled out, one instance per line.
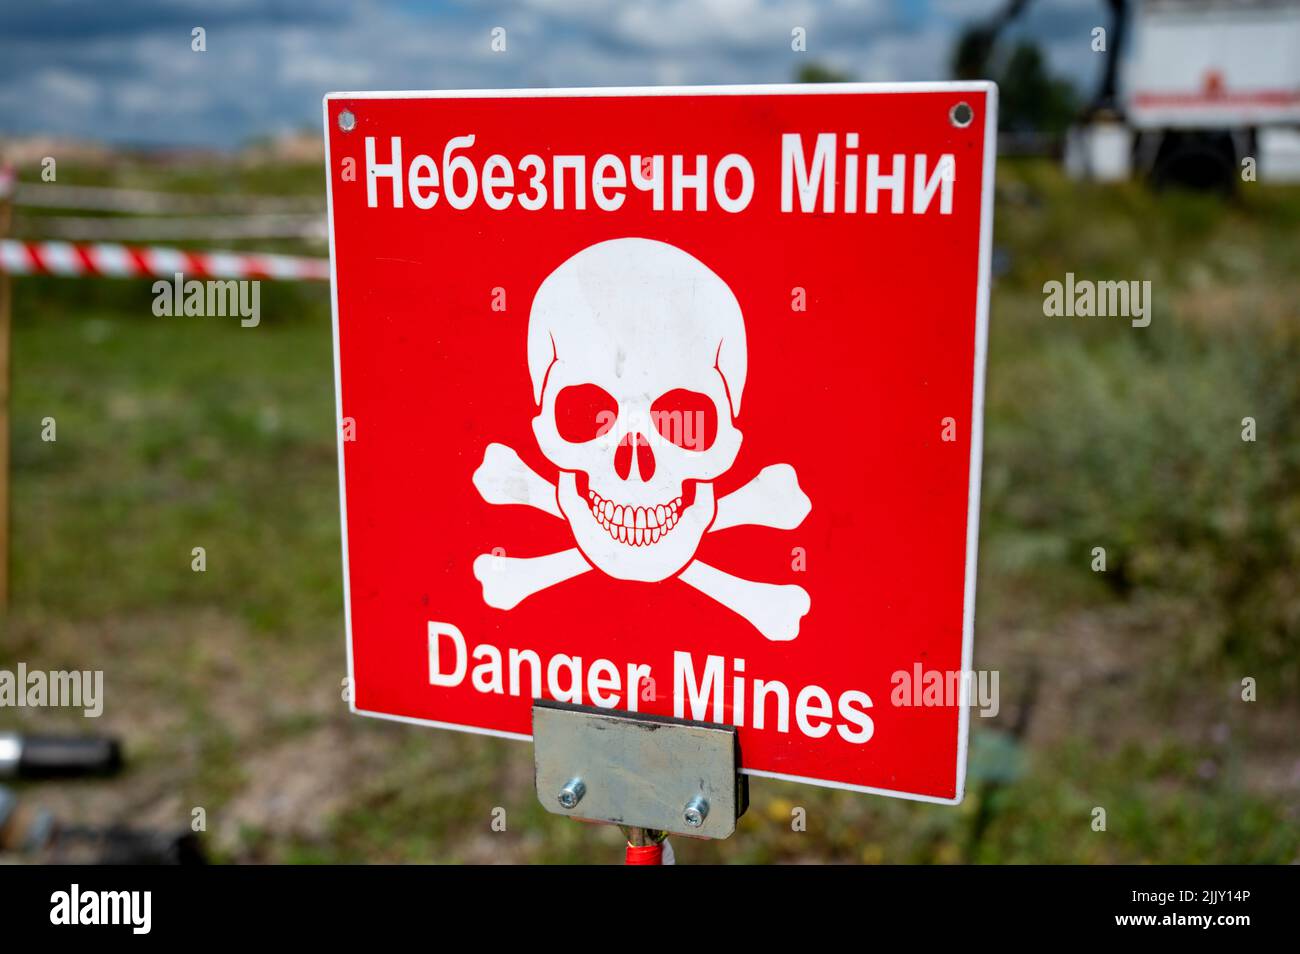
column 688, row 419
column 584, row 412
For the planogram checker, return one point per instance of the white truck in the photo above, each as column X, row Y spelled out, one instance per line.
column 1204, row 86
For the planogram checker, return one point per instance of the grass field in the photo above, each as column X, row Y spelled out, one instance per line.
column 1121, row 689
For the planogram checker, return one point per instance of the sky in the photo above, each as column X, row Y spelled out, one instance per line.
column 123, row 71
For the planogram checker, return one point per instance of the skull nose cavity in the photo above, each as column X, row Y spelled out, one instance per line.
column 634, row 443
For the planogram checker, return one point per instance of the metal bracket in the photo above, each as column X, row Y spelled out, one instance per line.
column 643, row 771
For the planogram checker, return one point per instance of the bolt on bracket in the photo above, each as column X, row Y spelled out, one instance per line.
column 638, row 770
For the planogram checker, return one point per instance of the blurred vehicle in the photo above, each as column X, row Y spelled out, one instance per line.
column 1207, row 84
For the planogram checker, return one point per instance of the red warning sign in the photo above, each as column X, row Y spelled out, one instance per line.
column 668, row 400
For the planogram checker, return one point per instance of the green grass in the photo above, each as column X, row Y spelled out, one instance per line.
column 1131, row 439
column 174, row 434
column 178, row 433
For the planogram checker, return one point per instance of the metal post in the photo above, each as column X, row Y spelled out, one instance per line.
column 644, row 846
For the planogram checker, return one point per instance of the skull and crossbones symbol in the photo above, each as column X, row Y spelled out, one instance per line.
column 637, row 355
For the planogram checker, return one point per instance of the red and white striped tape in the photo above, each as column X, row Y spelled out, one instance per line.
column 126, row 261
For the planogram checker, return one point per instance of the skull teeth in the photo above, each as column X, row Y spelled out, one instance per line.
column 635, row 526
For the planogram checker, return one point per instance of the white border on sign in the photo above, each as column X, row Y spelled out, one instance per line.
column 990, row 91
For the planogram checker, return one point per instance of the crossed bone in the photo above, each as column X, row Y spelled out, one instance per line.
column 772, row 499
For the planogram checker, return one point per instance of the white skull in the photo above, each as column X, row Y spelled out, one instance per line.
column 640, row 350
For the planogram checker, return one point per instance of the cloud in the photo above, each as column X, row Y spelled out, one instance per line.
column 125, row 72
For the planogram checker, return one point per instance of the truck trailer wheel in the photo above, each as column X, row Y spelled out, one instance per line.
column 1203, row 160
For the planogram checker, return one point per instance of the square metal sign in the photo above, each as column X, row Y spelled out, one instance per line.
column 668, row 400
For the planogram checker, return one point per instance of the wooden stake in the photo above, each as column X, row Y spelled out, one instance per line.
column 5, row 312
